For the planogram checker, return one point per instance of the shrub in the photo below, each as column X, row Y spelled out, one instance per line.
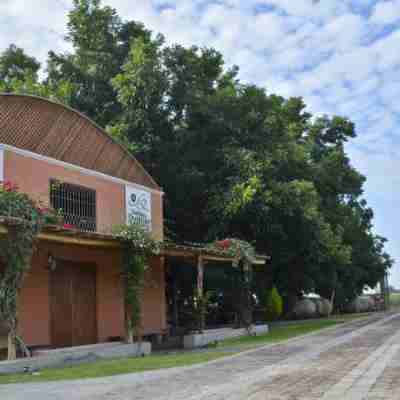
column 273, row 305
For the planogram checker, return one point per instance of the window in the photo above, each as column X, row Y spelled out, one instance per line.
column 78, row 204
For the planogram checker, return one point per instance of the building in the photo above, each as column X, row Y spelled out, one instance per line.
column 73, row 295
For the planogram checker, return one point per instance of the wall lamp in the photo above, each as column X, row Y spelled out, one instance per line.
column 51, row 262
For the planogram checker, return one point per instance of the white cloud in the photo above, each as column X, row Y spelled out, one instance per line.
column 386, row 12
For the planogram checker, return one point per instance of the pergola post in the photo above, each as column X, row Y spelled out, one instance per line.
column 200, row 275
column 200, row 291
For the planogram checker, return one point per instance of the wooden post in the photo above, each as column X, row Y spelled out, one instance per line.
column 200, row 275
column 175, row 309
column 200, row 287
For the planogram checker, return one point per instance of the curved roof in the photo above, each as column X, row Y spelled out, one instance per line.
column 57, row 131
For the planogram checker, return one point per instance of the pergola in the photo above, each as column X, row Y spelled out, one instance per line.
column 200, row 255
column 196, row 254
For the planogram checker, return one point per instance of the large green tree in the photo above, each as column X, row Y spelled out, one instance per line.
column 101, row 43
column 233, row 159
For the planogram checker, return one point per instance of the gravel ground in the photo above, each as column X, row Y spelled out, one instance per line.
column 357, row 361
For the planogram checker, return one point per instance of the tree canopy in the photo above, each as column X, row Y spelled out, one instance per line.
column 233, row 159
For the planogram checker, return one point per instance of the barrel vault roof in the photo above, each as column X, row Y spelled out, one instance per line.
column 54, row 130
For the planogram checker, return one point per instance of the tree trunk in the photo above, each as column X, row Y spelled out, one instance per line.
column 12, row 348
column 128, row 329
column 332, row 299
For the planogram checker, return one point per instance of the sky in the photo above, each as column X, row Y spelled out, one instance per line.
column 341, row 56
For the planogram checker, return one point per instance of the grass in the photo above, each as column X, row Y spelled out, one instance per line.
column 395, row 299
column 159, row 361
column 281, row 333
column 116, row 367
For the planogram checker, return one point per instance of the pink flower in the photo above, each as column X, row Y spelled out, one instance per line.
column 68, row 226
column 8, row 186
column 225, row 244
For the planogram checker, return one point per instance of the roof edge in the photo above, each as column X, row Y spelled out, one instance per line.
column 102, row 130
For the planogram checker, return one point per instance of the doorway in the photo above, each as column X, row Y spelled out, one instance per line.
column 73, row 304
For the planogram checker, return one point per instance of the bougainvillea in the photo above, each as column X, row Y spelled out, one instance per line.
column 16, row 249
column 138, row 246
column 244, row 255
column 239, row 249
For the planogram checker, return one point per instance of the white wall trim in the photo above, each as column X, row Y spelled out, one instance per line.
column 69, row 166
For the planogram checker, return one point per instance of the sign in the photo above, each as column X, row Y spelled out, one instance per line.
column 138, row 206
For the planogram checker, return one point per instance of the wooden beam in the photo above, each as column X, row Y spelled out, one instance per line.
column 259, row 262
column 57, row 238
column 207, row 257
column 178, row 253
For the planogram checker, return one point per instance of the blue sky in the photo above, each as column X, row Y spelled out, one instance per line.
column 342, row 56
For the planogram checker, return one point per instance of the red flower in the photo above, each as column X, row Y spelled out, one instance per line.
column 68, row 226
column 8, row 186
column 225, row 244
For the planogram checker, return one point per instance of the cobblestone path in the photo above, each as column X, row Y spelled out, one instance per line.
column 357, row 361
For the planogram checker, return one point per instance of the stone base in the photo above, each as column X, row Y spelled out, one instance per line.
column 215, row 335
column 74, row 355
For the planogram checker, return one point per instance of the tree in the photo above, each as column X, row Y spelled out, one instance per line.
column 101, row 43
column 19, row 73
column 16, row 65
column 232, row 159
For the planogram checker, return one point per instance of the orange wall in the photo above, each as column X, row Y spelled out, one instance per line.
column 154, row 305
column 33, row 177
column 34, row 302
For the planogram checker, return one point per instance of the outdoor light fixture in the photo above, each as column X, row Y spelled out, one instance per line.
column 51, row 262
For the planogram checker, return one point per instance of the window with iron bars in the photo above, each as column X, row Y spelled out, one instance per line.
column 77, row 203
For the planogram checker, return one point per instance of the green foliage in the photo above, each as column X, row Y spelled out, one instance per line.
column 233, row 160
column 240, row 249
column 197, row 310
column 273, row 304
column 15, row 65
column 16, row 249
column 101, row 43
column 19, row 74
column 138, row 246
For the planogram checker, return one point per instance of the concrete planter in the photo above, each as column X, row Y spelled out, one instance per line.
column 74, row 355
column 196, row 340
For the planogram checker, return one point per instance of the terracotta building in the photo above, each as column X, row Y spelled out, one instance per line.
column 72, row 295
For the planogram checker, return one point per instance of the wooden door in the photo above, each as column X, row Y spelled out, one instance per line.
column 73, row 304
column 84, row 306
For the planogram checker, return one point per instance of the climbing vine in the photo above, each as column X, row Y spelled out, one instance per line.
column 244, row 256
column 137, row 247
column 25, row 219
column 241, row 250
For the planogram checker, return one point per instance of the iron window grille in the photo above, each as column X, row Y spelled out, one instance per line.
column 77, row 204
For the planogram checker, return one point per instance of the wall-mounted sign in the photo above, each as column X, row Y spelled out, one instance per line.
column 138, row 206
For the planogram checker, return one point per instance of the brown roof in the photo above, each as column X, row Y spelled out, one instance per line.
column 57, row 131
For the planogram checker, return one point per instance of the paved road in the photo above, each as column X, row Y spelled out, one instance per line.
column 357, row 361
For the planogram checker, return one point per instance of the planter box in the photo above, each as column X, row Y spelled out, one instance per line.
column 215, row 335
column 74, row 355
